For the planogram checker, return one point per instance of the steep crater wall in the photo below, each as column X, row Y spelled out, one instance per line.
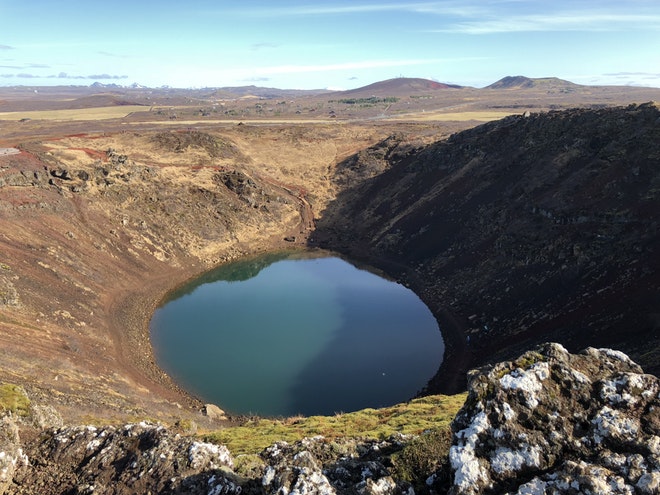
column 533, row 228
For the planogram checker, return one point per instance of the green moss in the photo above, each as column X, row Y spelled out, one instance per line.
column 414, row 417
column 14, row 400
column 248, row 465
column 186, row 425
column 524, row 362
column 528, row 359
column 423, row 456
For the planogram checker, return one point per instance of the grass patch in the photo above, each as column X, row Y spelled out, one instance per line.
column 434, row 412
column 14, row 400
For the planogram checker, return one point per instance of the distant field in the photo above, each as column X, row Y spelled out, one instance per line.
column 254, row 121
column 484, row 116
column 100, row 113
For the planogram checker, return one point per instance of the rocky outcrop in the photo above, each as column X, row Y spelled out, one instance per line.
column 553, row 422
column 548, row 422
column 179, row 142
column 245, row 188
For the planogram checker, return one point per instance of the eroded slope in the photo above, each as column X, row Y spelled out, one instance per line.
column 95, row 229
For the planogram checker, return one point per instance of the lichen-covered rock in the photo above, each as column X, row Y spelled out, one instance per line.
column 549, row 422
column 317, row 466
column 135, row 458
column 143, row 458
column 554, row 422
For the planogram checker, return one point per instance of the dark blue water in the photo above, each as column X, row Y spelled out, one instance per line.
column 285, row 335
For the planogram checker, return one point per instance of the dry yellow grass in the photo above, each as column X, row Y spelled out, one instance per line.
column 100, row 113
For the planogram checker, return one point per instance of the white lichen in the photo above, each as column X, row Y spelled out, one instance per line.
column 534, row 487
column 221, row 486
column 383, row 486
column 627, row 389
column 580, row 377
column 609, row 423
column 507, row 460
column 201, row 455
column 468, row 471
column 312, row 483
column 621, row 356
column 528, row 381
column 269, row 476
column 94, row 444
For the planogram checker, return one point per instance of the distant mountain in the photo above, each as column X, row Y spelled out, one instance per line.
column 100, row 85
column 261, row 92
column 522, row 82
column 400, row 86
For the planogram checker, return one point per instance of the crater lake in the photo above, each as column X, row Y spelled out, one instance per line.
column 296, row 333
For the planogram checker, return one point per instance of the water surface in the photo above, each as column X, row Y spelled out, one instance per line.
column 289, row 334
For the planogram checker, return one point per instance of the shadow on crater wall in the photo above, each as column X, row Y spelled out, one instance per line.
column 529, row 229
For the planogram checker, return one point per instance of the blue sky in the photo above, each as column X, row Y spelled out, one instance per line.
column 326, row 44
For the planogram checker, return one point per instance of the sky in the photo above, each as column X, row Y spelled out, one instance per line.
column 334, row 44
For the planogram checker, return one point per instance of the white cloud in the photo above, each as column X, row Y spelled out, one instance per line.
column 567, row 21
column 456, row 8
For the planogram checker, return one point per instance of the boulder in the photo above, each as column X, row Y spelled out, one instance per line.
column 213, row 412
column 554, row 422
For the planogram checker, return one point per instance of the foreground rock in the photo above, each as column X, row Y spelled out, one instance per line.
column 548, row 422
column 553, row 422
column 136, row 458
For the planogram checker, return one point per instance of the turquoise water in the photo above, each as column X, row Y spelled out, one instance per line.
column 284, row 335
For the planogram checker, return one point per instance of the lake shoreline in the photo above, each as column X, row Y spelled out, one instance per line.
column 131, row 313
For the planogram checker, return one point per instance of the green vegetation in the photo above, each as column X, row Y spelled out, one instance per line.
column 372, row 100
column 419, row 415
column 528, row 359
column 14, row 400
